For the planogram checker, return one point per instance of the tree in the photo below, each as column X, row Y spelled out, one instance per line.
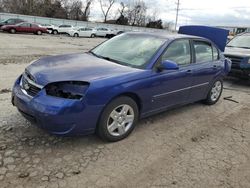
column 122, row 19
column 75, row 12
column 155, row 24
column 137, row 13
column 106, row 5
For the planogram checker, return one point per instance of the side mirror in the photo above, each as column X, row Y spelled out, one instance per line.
column 168, row 65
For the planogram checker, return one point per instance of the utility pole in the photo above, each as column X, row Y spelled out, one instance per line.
column 177, row 13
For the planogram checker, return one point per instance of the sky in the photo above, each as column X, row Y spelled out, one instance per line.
column 197, row 12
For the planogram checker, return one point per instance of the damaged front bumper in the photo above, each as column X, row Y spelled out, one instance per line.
column 56, row 115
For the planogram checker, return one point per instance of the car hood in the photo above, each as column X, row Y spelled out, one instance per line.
column 75, row 67
column 241, row 52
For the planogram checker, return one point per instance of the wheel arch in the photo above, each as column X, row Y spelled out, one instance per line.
column 133, row 96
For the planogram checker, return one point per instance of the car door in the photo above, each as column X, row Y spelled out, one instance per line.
column 172, row 87
column 83, row 32
column 24, row 27
column 204, row 69
column 62, row 28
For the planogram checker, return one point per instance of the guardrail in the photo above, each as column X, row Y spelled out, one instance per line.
column 55, row 21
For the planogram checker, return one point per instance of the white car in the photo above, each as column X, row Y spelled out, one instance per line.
column 50, row 28
column 83, row 32
column 63, row 29
column 105, row 32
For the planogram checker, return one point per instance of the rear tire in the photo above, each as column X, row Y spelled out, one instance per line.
column 93, row 36
column 76, row 35
column 118, row 119
column 12, row 31
column 39, row 32
column 214, row 93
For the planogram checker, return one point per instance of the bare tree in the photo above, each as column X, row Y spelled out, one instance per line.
column 137, row 13
column 86, row 11
column 106, row 5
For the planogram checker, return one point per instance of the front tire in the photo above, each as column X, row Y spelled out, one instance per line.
column 118, row 119
column 12, row 31
column 76, row 35
column 215, row 92
column 55, row 32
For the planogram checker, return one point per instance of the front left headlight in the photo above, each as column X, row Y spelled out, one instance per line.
column 67, row 89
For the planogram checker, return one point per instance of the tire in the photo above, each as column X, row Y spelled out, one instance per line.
column 39, row 32
column 118, row 119
column 215, row 92
column 12, row 31
column 76, row 35
column 55, row 32
column 92, row 36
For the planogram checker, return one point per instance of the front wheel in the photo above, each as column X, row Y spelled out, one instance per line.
column 13, row 31
column 92, row 36
column 76, row 35
column 55, row 32
column 118, row 119
column 214, row 93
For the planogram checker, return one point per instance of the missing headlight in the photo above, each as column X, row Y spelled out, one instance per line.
column 67, row 89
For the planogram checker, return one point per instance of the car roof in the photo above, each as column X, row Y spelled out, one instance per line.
column 166, row 35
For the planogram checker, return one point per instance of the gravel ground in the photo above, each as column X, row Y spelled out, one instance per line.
column 193, row 146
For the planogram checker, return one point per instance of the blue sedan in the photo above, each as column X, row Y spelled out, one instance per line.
column 131, row 76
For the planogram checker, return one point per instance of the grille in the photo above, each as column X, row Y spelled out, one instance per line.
column 29, row 86
column 235, row 61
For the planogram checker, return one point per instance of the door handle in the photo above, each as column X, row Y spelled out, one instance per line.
column 189, row 71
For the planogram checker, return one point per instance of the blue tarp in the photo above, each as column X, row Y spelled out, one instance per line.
column 217, row 35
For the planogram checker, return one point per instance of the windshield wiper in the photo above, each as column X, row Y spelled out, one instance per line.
column 106, row 58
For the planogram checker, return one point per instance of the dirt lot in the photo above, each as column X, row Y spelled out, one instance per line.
column 193, row 146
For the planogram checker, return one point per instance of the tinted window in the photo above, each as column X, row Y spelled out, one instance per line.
column 203, row 51
column 215, row 53
column 34, row 25
column 179, row 52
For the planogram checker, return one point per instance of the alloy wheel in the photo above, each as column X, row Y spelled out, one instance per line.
column 120, row 120
column 216, row 91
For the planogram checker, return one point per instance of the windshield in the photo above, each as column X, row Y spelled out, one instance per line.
column 242, row 41
column 129, row 49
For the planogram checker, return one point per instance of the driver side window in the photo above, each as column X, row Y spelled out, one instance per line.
column 178, row 52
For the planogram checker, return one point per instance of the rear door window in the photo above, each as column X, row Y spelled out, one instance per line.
column 203, row 51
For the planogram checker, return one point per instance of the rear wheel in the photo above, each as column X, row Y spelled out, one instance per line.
column 39, row 32
column 92, row 36
column 13, row 31
column 215, row 92
column 118, row 119
column 76, row 35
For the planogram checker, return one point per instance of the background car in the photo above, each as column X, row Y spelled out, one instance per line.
column 11, row 21
column 104, row 32
column 49, row 27
column 63, row 29
column 130, row 76
column 238, row 50
column 83, row 32
column 25, row 27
